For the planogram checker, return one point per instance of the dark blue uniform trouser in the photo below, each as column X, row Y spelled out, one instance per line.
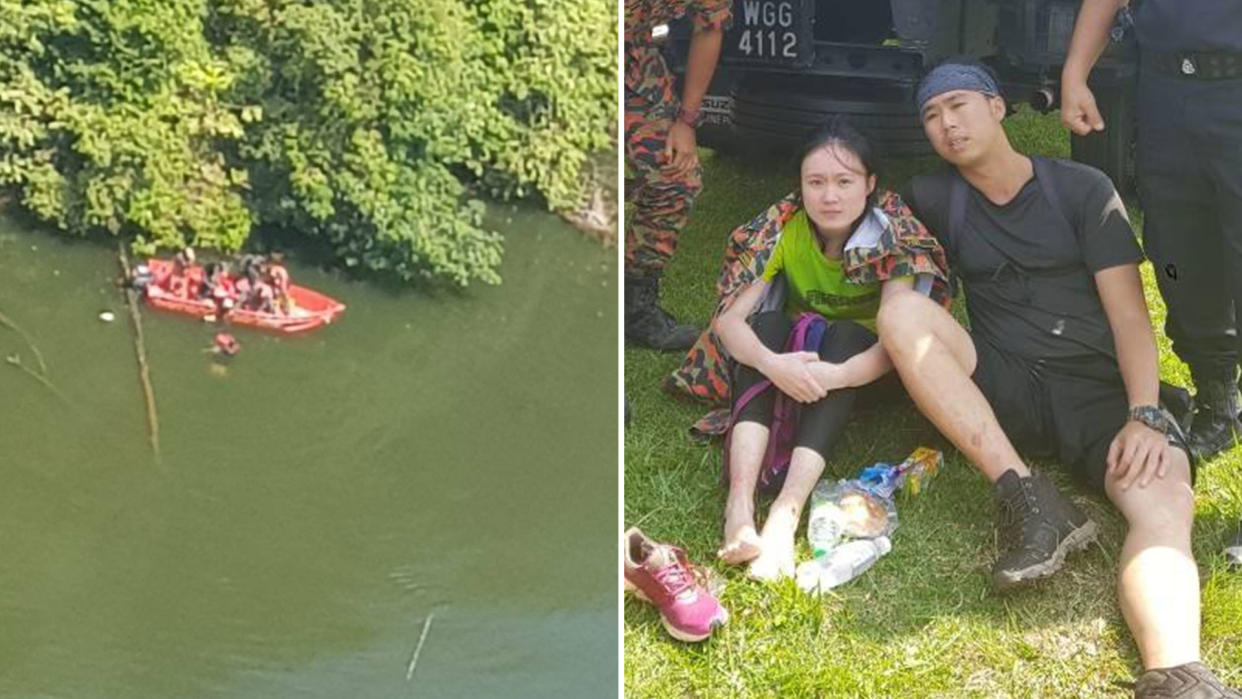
column 1189, row 173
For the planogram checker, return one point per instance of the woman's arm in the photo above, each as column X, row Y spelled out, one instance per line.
column 868, row 365
column 789, row 371
column 859, row 370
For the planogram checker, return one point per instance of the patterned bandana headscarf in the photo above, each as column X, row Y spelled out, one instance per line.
column 954, row 76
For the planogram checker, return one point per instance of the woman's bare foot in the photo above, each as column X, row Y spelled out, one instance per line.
column 772, row 565
column 742, row 542
column 741, row 545
column 777, row 558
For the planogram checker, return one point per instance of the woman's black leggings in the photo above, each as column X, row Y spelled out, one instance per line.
column 821, row 422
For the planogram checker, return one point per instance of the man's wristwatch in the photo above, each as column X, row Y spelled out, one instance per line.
column 1154, row 417
column 690, row 117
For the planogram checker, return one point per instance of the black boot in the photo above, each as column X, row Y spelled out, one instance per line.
column 1180, row 405
column 1215, row 427
column 1037, row 527
column 1233, row 548
column 1189, row 681
column 649, row 325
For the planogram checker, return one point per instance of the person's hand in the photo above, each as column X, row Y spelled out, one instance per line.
column 680, row 154
column 1138, row 453
column 1078, row 109
column 830, row 376
column 791, row 373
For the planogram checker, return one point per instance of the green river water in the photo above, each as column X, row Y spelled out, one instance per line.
column 452, row 455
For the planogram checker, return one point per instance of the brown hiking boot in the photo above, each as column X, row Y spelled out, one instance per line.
column 1189, row 681
column 1038, row 527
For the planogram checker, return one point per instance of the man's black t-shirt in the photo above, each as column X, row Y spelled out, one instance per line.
column 1028, row 266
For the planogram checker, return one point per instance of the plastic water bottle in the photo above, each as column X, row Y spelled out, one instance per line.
column 823, row 529
column 843, row 564
column 848, row 561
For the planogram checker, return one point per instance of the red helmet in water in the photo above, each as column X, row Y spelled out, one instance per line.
column 227, row 344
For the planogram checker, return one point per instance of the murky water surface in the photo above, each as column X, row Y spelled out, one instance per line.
column 450, row 455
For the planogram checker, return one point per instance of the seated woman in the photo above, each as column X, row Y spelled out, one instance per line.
column 836, row 213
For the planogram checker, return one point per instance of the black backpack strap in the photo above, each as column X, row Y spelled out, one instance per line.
column 959, row 190
column 958, row 193
column 1047, row 183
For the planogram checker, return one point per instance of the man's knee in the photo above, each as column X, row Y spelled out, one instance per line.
column 903, row 315
column 1165, row 503
column 898, row 311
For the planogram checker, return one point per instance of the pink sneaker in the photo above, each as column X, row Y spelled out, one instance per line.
column 661, row 574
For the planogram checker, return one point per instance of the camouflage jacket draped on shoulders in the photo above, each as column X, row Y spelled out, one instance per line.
column 905, row 248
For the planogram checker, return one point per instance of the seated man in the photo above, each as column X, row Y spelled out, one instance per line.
column 1060, row 356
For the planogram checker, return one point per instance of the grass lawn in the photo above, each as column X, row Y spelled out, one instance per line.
column 922, row 622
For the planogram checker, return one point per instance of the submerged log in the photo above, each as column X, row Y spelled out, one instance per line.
column 140, row 349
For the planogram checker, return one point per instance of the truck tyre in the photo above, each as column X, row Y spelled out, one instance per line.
column 1111, row 150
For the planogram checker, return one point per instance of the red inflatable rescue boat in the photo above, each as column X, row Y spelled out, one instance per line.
column 311, row 309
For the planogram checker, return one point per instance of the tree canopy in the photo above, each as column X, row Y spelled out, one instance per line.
column 374, row 125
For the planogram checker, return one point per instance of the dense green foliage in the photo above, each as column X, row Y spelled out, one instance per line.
column 373, row 124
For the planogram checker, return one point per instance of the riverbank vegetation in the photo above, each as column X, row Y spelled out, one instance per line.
column 378, row 127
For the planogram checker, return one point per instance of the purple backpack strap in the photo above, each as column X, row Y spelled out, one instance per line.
column 808, row 332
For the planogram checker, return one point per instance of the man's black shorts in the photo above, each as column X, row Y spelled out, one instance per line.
column 1070, row 413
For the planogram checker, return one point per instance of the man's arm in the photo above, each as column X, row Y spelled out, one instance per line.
column 1078, row 109
column 679, row 147
column 1138, row 453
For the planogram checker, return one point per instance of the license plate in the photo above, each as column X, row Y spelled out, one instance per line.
column 770, row 31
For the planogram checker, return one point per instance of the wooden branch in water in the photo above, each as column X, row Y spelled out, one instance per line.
column 8, row 323
column 144, row 371
column 409, row 672
column 16, row 361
